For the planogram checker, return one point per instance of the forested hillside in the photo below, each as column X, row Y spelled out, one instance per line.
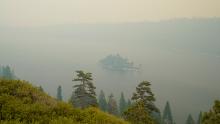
column 22, row 103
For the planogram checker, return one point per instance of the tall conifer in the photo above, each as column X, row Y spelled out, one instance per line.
column 59, row 93
column 102, row 101
column 122, row 104
column 84, row 93
column 112, row 105
column 167, row 114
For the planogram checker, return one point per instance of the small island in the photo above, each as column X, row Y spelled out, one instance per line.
column 118, row 63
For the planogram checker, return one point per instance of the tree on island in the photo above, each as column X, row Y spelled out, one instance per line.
column 117, row 62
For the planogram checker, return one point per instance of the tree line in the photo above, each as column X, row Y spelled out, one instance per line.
column 139, row 109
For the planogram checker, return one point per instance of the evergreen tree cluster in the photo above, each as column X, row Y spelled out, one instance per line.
column 103, row 105
column 7, row 73
column 140, row 112
column 111, row 105
column 84, row 96
column 190, row 119
column 142, row 109
column 213, row 116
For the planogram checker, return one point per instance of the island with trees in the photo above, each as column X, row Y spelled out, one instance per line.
column 118, row 63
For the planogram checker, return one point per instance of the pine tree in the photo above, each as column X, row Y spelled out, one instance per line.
column 1, row 73
column 128, row 104
column 157, row 117
column 112, row 106
column 167, row 114
column 190, row 120
column 102, row 101
column 144, row 94
column 59, row 93
column 143, row 109
column 122, row 104
column 72, row 99
column 212, row 117
column 41, row 88
column 137, row 114
column 7, row 73
column 84, row 93
column 199, row 121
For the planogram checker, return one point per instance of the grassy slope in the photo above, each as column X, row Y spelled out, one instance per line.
column 20, row 102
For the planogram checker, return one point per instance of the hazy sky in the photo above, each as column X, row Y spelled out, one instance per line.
column 47, row 12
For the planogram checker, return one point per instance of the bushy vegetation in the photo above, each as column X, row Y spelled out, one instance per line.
column 213, row 116
column 21, row 103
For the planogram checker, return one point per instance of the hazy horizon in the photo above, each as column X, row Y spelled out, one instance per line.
column 51, row 12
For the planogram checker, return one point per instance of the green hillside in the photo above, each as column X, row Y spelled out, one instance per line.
column 22, row 103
